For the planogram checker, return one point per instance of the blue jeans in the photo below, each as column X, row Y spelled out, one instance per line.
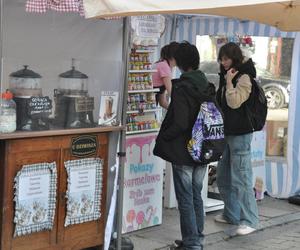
column 188, row 185
column 234, row 179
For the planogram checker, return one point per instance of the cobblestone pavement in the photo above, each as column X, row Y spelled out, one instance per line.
column 279, row 221
column 284, row 237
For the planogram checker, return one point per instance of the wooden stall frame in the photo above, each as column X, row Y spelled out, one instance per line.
column 21, row 148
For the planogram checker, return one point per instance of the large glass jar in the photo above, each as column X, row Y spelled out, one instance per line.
column 32, row 110
column 73, row 106
column 73, row 82
column 8, row 121
column 25, row 82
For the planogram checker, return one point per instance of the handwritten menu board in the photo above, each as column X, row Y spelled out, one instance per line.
column 39, row 106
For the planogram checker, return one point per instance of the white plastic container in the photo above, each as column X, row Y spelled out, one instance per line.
column 8, row 118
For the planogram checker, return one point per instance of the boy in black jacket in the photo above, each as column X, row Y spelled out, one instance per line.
column 171, row 144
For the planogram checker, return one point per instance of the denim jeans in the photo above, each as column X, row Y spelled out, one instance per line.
column 188, row 185
column 234, row 179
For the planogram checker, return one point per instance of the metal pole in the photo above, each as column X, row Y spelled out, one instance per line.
column 1, row 44
column 122, row 146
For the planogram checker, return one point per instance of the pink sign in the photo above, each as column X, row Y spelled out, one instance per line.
column 143, row 183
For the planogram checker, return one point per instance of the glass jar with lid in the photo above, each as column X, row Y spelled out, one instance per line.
column 8, row 121
column 73, row 106
column 33, row 110
column 25, row 82
column 73, row 82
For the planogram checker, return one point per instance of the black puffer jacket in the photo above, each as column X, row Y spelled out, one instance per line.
column 176, row 129
column 236, row 121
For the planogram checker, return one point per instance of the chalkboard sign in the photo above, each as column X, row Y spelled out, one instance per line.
column 39, row 106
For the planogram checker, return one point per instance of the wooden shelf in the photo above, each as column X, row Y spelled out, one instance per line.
column 143, row 111
column 143, row 91
column 56, row 132
column 143, row 51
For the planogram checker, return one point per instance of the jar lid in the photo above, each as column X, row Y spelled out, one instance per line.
column 7, row 95
column 73, row 73
column 25, row 73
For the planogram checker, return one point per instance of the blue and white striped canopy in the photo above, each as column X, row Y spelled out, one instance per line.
column 282, row 178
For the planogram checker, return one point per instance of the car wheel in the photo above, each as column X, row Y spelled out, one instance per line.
column 275, row 98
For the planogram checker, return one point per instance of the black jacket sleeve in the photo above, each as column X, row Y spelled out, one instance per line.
column 180, row 123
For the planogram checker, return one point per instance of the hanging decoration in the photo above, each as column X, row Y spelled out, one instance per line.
column 85, row 177
column 35, row 198
column 41, row 6
column 247, row 45
column 245, row 42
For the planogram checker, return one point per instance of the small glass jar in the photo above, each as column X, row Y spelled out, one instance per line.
column 8, row 118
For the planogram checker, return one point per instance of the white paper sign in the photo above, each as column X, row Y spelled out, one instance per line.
column 147, row 29
column 84, row 190
column 83, row 180
column 34, row 187
column 108, row 108
column 148, row 26
column 35, row 197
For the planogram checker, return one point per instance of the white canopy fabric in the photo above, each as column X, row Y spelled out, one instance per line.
column 282, row 14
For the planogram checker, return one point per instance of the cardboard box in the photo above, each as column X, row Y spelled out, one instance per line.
column 276, row 131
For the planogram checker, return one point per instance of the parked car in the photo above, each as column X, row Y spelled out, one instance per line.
column 277, row 90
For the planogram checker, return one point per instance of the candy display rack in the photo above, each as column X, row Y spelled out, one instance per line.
column 141, row 104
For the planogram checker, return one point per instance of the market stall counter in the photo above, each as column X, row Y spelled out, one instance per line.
column 53, row 188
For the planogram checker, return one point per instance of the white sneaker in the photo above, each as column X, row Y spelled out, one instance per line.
column 220, row 218
column 244, row 230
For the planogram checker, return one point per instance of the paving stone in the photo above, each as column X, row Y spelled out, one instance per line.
column 272, row 212
column 145, row 244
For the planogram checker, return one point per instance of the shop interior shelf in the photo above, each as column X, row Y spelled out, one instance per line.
column 142, row 71
column 144, row 51
column 142, row 111
column 143, row 91
column 142, row 131
column 213, row 205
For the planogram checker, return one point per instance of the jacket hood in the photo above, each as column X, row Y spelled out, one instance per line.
column 194, row 83
column 248, row 68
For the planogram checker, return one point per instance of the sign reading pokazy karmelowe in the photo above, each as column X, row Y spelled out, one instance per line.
column 35, row 198
column 143, row 184
column 84, row 190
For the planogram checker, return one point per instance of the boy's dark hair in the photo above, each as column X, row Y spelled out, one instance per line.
column 168, row 51
column 187, row 56
column 232, row 51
